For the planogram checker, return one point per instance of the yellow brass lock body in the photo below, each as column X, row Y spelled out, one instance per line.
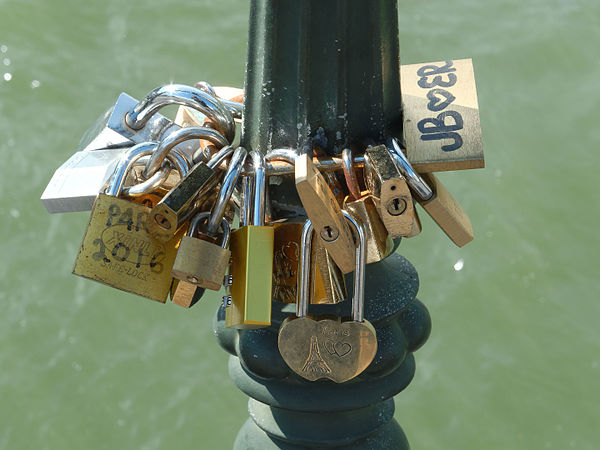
column 435, row 200
column 175, row 207
column 390, row 191
column 324, row 212
column 362, row 205
column 117, row 249
column 252, row 261
column 200, row 262
column 328, row 286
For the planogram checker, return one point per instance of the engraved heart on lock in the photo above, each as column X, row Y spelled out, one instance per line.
column 327, row 348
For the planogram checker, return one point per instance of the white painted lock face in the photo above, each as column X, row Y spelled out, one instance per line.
column 75, row 185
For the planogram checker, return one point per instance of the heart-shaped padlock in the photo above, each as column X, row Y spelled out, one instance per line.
column 327, row 348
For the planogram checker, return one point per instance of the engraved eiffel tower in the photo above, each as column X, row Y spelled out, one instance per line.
column 314, row 362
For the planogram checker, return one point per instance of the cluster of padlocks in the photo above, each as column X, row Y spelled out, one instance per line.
column 178, row 208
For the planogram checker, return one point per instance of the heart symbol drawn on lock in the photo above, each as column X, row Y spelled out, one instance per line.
column 307, row 347
column 337, row 348
column 439, row 99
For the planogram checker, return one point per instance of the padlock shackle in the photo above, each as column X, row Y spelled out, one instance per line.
column 358, row 296
column 304, row 281
column 416, row 183
column 195, row 223
column 179, row 94
column 260, row 181
column 350, row 173
column 177, row 137
column 177, row 161
column 235, row 108
column 227, row 187
column 115, row 184
column 219, row 157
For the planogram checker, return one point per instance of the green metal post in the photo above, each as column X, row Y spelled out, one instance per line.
column 326, row 73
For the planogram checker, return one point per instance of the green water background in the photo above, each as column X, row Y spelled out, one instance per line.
column 513, row 361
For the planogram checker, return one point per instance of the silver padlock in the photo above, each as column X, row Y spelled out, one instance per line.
column 76, row 184
column 130, row 122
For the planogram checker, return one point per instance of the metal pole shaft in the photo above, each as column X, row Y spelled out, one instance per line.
column 325, row 74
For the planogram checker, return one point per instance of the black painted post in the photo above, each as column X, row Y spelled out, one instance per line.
column 326, row 73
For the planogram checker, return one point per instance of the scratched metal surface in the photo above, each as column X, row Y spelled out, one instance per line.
column 513, row 360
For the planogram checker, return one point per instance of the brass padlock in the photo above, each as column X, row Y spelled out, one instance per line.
column 329, row 286
column 171, row 212
column 390, row 190
column 200, row 262
column 334, row 349
column 117, row 249
column 362, row 205
column 252, row 261
column 436, row 200
column 325, row 213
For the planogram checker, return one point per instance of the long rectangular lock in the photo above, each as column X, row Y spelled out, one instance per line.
column 252, row 262
column 325, row 213
column 435, row 199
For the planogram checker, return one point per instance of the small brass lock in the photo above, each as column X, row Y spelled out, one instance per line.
column 200, row 262
column 390, row 190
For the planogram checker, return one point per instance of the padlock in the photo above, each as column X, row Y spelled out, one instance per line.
column 75, row 184
column 435, row 199
column 325, row 348
column 200, row 262
column 213, row 259
column 328, row 286
column 252, row 261
column 129, row 122
column 116, row 249
column 390, row 191
column 324, row 212
column 168, row 216
column 362, row 205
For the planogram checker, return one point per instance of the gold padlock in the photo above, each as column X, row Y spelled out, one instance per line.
column 117, row 249
column 390, row 191
column 362, row 205
column 199, row 261
column 328, row 283
column 325, row 213
column 171, row 212
column 252, row 262
column 436, row 200
column 335, row 349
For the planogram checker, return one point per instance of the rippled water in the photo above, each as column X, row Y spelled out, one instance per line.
column 513, row 360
